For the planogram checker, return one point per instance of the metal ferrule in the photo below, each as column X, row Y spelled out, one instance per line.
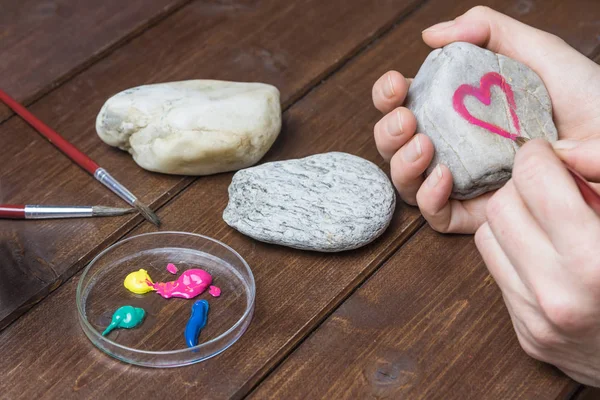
column 107, row 180
column 44, row 212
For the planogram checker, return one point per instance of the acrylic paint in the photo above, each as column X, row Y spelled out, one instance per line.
column 138, row 282
column 483, row 94
column 172, row 268
column 189, row 285
column 196, row 322
column 214, row 291
column 125, row 317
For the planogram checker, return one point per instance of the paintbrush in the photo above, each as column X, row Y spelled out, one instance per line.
column 80, row 159
column 19, row 211
column 589, row 194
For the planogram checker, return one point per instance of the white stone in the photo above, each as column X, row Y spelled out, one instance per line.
column 196, row 127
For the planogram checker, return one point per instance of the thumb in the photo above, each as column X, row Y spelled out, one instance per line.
column 583, row 156
column 502, row 34
column 559, row 65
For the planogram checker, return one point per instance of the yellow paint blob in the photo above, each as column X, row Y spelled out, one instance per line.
column 137, row 282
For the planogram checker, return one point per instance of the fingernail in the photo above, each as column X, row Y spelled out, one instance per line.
column 388, row 87
column 440, row 27
column 565, row 144
column 413, row 151
column 394, row 124
column 434, row 178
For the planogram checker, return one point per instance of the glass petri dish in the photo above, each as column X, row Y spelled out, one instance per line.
column 159, row 341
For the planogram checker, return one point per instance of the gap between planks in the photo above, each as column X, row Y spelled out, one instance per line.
column 176, row 191
column 415, row 227
column 358, row 282
column 595, row 54
column 569, row 393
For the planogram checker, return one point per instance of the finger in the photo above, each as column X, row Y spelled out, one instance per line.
column 515, row 295
column 408, row 165
column 524, row 335
column 527, row 337
column 445, row 215
column 497, row 262
column 389, row 91
column 522, row 240
column 560, row 292
column 582, row 156
column 535, row 334
column 548, row 55
column 518, row 297
column 499, row 33
column 552, row 196
column 393, row 131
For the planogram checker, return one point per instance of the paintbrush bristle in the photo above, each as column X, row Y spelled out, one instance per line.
column 520, row 140
column 101, row 211
column 146, row 212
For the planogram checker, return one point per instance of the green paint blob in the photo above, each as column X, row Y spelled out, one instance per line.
column 125, row 317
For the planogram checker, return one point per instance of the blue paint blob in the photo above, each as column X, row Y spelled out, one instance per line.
column 196, row 322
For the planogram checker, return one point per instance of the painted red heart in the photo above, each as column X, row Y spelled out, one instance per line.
column 484, row 95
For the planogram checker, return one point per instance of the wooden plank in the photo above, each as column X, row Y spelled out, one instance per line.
column 383, row 344
column 335, row 116
column 64, row 362
column 45, row 43
column 288, row 305
column 431, row 323
column 269, row 41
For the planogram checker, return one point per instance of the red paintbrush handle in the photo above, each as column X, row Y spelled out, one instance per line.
column 12, row 211
column 589, row 194
column 71, row 151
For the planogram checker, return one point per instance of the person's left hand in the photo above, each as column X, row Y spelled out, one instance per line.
column 572, row 80
column 541, row 243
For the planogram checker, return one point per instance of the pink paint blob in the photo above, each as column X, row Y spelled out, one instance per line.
column 189, row 285
column 172, row 268
column 214, row 291
column 484, row 95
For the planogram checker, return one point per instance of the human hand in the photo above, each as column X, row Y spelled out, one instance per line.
column 572, row 80
column 540, row 243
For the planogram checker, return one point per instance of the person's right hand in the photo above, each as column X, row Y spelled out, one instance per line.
column 572, row 80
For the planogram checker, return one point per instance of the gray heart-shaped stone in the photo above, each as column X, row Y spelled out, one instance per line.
column 468, row 140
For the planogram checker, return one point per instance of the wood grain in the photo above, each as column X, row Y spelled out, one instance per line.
column 336, row 115
column 430, row 324
column 264, row 41
column 289, row 303
column 44, row 43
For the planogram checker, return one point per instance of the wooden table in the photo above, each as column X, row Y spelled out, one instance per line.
column 413, row 315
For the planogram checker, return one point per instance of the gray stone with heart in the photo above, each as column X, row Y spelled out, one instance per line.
column 327, row 202
column 448, row 97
